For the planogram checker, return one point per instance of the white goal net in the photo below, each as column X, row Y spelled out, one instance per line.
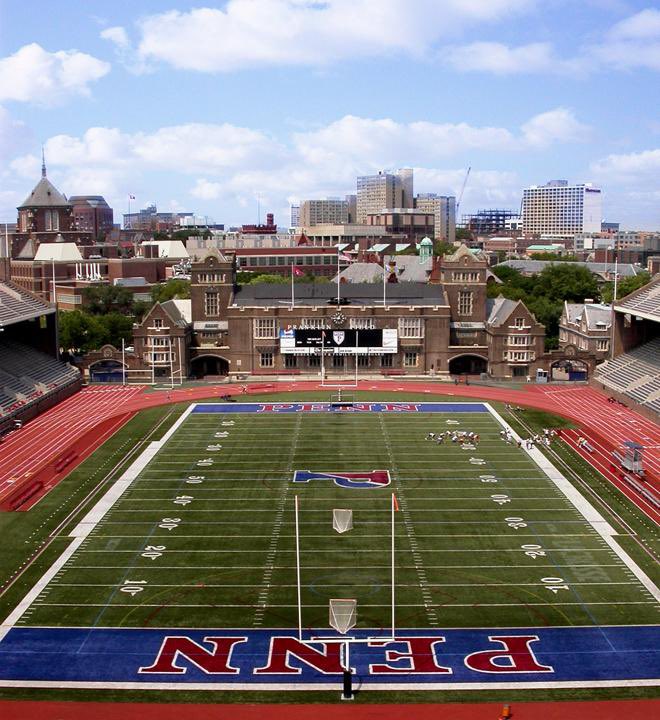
column 342, row 520
column 343, row 615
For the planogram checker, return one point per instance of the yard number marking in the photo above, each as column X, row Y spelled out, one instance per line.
column 153, row 551
column 169, row 523
column 515, row 522
column 533, row 551
column 133, row 587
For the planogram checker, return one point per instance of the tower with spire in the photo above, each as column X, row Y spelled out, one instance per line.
column 44, row 216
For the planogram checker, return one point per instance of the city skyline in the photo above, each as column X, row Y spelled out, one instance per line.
column 220, row 109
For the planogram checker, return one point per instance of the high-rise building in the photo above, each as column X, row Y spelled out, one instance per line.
column 443, row 208
column 327, row 211
column 295, row 216
column 491, row 221
column 560, row 209
column 383, row 191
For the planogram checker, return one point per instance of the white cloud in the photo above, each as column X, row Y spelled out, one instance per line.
column 630, row 166
column 256, row 33
column 229, row 164
column 116, row 35
column 555, row 126
column 35, row 75
column 644, row 24
column 206, row 190
column 501, row 59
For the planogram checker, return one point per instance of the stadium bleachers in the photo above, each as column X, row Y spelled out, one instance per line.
column 27, row 375
column 635, row 374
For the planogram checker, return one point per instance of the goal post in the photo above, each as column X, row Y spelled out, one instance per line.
column 342, row 520
column 342, row 614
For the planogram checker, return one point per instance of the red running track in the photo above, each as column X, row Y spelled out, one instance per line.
column 43, row 440
column 604, row 710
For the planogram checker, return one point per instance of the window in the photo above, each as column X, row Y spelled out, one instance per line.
column 265, row 328
column 52, row 220
column 266, row 359
column 314, row 361
column 386, row 361
column 603, row 345
column 212, row 303
column 311, row 323
column 361, row 323
column 519, row 322
column 411, row 327
column 519, row 339
column 363, row 361
column 158, row 341
column 410, row 359
column 290, row 361
column 465, row 302
column 338, row 361
column 158, row 322
column 466, row 276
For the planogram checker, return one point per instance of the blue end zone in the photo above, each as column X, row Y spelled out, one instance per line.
column 425, row 657
column 319, row 407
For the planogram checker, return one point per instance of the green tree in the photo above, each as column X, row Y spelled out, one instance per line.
column 174, row 289
column 115, row 328
column 463, row 234
column 103, row 299
column 273, row 279
column 443, row 248
column 566, row 282
column 624, row 287
column 80, row 332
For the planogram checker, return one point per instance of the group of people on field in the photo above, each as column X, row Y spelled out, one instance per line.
column 537, row 440
column 455, row 436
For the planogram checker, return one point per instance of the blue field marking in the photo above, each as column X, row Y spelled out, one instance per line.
column 321, row 407
column 427, row 657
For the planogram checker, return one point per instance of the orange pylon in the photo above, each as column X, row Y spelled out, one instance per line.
column 506, row 712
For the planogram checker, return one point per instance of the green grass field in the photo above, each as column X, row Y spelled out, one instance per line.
column 177, row 552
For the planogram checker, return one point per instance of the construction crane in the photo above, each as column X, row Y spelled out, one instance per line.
column 460, row 195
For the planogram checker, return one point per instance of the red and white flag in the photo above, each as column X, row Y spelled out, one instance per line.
column 395, row 503
column 297, row 271
column 346, row 258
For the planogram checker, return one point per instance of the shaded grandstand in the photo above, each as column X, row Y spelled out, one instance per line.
column 32, row 378
column 634, row 372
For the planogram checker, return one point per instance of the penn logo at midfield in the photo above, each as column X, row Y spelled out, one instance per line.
column 352, row 480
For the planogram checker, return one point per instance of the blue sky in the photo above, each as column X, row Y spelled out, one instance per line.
column 205, row 107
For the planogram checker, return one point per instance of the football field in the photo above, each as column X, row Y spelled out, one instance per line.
column 201, row 534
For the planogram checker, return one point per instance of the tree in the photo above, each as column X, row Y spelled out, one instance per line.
column 624, row 287
column 174, row 289
column 443, row 248
column 273, row 279
column 80, row 332
column 463, row 234
column 102, row 299
column 566, row 282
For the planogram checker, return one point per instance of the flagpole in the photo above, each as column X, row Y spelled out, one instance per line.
column 298, row 572
column 292, row 292
column 393, row 626
column 613, row 314
column 337, row 275
column 384, row 283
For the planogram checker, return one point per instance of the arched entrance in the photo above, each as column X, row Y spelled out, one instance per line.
column 110, row 371
column 468, row 365
column 206, row 365
column 569, row 369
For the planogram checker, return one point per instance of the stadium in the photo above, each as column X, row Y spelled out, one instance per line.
column 287, row 541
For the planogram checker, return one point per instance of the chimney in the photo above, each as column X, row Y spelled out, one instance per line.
column 270, row 219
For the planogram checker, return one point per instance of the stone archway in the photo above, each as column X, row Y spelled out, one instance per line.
column 205, row 365
column 570, row 369
column 468, row 364
column 107, row 370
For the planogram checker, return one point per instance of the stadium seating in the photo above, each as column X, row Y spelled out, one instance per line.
column 27, row 375
column 635, row 374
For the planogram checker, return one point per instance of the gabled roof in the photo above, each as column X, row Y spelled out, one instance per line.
column 179, row 310
column 500, row 309
column 596, row 315
column 45, row 194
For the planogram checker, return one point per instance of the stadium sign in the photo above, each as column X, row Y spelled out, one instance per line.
column 296, row 341
column 276, row 659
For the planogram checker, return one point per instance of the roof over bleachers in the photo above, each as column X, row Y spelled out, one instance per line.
column 643, row 303
column 17, row 305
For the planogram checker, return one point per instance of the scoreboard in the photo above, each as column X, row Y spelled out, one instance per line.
column 338, row 342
